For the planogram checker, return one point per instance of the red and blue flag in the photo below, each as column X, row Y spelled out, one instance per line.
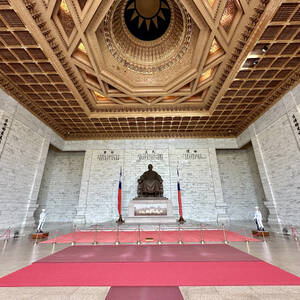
column 179, row 194
column 120, row 193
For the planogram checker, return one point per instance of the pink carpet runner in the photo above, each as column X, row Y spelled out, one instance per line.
column 144, row 293
column 187, row 236
column 151, row 273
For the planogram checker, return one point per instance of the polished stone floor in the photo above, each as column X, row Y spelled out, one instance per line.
column 281, row 251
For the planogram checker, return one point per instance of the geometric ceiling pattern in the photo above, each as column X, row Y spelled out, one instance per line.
column 146, row 69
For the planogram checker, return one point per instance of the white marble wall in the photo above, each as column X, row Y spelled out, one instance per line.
column 242, row 188
column 201, row 189
column 23, row 152
column 24, row 147
column 60, row 186
column 276, row 147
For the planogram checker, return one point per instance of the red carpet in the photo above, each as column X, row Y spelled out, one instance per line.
column 144, row 292
column 150, row 274
column 92, row 266
column 187, row 236
column 148, row 253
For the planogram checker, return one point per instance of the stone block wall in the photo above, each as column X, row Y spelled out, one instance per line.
column 275, row 140
column 276, row 147
column 60, row 186
column 201, row 189
column 23, row 152
column 241, row 183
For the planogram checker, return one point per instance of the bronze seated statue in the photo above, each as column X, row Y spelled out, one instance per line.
column 150, row 184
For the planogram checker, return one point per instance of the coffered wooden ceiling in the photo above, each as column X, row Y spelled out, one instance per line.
column 208, row 68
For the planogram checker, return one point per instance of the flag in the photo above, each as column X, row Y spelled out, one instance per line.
column 179, row 195
column 120, row 193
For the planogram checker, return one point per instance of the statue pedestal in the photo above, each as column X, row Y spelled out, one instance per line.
column 260, row 233
column 150, row 210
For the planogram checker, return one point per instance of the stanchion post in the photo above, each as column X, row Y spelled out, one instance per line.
column 117, row 242
column 54, row 241
column 294, row 234
column 55, row 237
column 139, row 236
column 7, row 236
column 159, row 240
column 202, row 238
column 53, row 244
column 263, row 234
column 74, row 235
column 247, row 238
column 224, row 233
column 180, row 242
column 4, row 245
column 36, row 238
column 95, row 236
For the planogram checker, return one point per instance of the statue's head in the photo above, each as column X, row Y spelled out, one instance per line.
column 256, row 207
column 150, row 167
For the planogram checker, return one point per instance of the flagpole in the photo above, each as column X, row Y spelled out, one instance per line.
column 181, row 219
column 120, row 220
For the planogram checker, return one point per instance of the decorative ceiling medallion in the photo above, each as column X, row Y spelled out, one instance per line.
column 147, row 20
column 152, row 37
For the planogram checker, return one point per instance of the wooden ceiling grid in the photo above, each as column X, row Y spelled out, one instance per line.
column 271, row 68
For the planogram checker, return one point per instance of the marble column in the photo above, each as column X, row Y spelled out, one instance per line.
column 84, row 188
column 221, row 205
column 33, row 196
column 270, row 202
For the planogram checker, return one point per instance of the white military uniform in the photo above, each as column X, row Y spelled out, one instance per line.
column 42, row 220
column 258, row 219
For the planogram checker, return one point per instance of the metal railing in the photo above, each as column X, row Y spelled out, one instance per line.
column 158, row 234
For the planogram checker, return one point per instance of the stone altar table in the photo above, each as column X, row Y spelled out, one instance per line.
column 150, row 210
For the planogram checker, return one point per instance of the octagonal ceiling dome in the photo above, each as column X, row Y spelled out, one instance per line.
column 141, row 45
column 147, row 38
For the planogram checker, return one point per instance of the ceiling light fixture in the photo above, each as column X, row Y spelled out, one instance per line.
column 255, row 62
column 265, row 48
